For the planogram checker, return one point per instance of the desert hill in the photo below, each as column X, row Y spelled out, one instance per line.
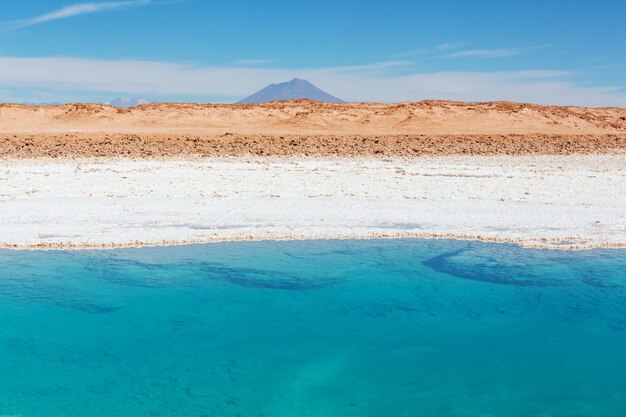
column 309, row 117
column 308, row 128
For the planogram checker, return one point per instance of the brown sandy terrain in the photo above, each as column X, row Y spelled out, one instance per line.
column 154, row 146
column 304, row 127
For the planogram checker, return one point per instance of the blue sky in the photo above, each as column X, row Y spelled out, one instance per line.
column 553, row 52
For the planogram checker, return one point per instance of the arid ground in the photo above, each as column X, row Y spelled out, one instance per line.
column 91, row 176
column 306, row 128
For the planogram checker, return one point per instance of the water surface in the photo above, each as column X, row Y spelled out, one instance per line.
column 324, row 328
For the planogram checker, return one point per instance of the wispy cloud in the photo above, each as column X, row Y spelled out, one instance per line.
column 71, row 11
column 433, row 50
column 251, row 62
column 66, row 79
column 371, row 67
column 453, row 50
column 485, row 53
column 496, row 53
column 449, row 46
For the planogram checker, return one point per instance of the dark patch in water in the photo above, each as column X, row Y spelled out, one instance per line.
column 488, row 269
column 88, row 307
column 29, row 289
column 258, row 278
column 600, row 282
column 200, row 274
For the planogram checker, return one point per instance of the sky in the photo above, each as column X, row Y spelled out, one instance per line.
column 550, row 52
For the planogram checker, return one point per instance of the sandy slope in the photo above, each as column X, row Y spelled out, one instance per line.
column 307, row 117
column 306, row 128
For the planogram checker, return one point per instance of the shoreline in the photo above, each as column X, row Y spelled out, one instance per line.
column 573, row 244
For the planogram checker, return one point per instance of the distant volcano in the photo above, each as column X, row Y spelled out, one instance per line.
column 290, row 90
column 124, row 102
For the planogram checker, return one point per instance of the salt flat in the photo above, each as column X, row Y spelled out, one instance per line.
column 552, row 201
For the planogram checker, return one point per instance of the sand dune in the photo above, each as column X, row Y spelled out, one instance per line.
column 308, row 117
column 307, row 128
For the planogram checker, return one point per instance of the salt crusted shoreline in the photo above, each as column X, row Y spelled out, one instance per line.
column 562, row 202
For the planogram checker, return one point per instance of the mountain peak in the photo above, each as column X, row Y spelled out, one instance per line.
column 125, row 102
column 295, row 89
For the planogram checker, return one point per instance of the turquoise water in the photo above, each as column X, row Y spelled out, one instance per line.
column 325, row 328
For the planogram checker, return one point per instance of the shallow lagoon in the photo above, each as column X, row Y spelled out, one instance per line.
column 314, row 328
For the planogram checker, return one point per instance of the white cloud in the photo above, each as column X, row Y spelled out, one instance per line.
column 485, row 53
column 251, row 62
column 437, row 49
column 496, row 53
column 375, row 82
column 449, row 46
column 71, row 11
column 452, row 50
